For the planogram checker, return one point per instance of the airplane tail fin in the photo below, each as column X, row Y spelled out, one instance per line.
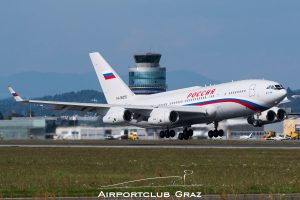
column 113, row 87
column 16, row 96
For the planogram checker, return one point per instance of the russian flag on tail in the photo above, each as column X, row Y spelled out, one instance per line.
column 108, row 76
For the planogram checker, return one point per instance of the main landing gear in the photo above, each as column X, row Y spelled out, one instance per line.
column 215, row 133
column 186, row 134
column 167, row 133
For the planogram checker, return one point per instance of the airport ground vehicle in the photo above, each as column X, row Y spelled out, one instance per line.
column 133, row 136
column 293, row 136
column 130, row 136
column 269, row 134
column 177, row 108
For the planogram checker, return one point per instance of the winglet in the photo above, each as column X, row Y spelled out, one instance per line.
column 15, row 95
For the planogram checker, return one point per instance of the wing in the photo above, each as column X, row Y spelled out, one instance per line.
column 186, row 113
column 84, row 107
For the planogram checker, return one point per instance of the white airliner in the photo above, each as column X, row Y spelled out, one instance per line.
column 178, row 108
column 246, row 137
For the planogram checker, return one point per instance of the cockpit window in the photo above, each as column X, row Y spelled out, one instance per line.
column 275, row 87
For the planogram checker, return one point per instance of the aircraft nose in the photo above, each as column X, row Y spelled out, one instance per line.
column 284, row 93
column 281, row 95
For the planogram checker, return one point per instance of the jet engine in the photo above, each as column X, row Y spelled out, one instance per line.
column 116, row 115
column 161, row 116
column 272, row 115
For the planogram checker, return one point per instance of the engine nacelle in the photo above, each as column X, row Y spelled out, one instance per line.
column 116, row 115
column 281, row 114
column 161, row 116
column 272, row 115
column 268, row 115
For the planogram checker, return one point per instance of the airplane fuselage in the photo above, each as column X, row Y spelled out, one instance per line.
column 229, row 100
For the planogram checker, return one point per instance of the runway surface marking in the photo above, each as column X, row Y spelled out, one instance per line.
column 275, row 146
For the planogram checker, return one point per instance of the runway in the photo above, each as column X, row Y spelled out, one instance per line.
column 161, row 146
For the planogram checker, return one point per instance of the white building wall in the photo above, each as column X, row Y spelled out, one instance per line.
column 95, row 133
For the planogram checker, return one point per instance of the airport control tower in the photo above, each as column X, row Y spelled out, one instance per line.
column 147, row 77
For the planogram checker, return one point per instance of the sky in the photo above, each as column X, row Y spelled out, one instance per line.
column 223, row 40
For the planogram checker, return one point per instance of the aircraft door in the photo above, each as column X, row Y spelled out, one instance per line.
column 252, row 90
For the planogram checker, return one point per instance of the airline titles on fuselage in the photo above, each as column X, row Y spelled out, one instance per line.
column 201, row 93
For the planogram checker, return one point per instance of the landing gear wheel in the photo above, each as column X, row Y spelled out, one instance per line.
column 167, row 132
column 215, row 132
column 250, row 119
column 186, row 135
column 190, row 132
column 180, row 136
column 257, row 123
column 221, row 133
column 172, row 133
column 162, row 134
column 210, row 134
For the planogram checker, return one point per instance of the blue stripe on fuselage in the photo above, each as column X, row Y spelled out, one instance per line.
column 248, row 104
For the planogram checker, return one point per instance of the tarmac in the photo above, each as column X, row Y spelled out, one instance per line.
column 276, row 145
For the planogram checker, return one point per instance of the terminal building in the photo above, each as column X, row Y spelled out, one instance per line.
column 291, row 125
column 147, row 77
column 21, row 128
column 64, row 128
column 98, row 133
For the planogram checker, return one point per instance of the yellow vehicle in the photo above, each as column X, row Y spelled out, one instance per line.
column 293, row 136
column 133, row 136
column 270, row 134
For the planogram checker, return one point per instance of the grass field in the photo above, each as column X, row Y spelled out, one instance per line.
column 81, row 172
